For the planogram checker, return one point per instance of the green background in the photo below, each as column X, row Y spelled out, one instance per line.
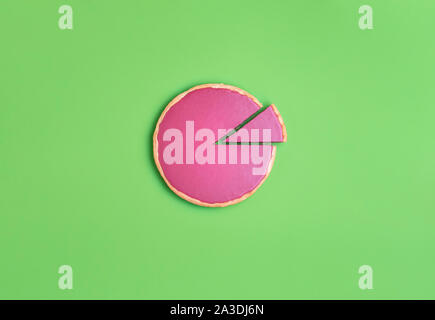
column 354, row 184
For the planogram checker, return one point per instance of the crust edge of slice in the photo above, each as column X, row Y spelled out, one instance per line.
column 281, row 122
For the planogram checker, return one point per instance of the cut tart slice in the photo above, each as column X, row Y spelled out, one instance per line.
column 249, row 131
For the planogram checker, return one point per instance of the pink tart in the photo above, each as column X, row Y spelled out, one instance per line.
column 190, row 161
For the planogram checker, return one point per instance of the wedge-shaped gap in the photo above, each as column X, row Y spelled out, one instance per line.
column 241, row 125
column 264, row 118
